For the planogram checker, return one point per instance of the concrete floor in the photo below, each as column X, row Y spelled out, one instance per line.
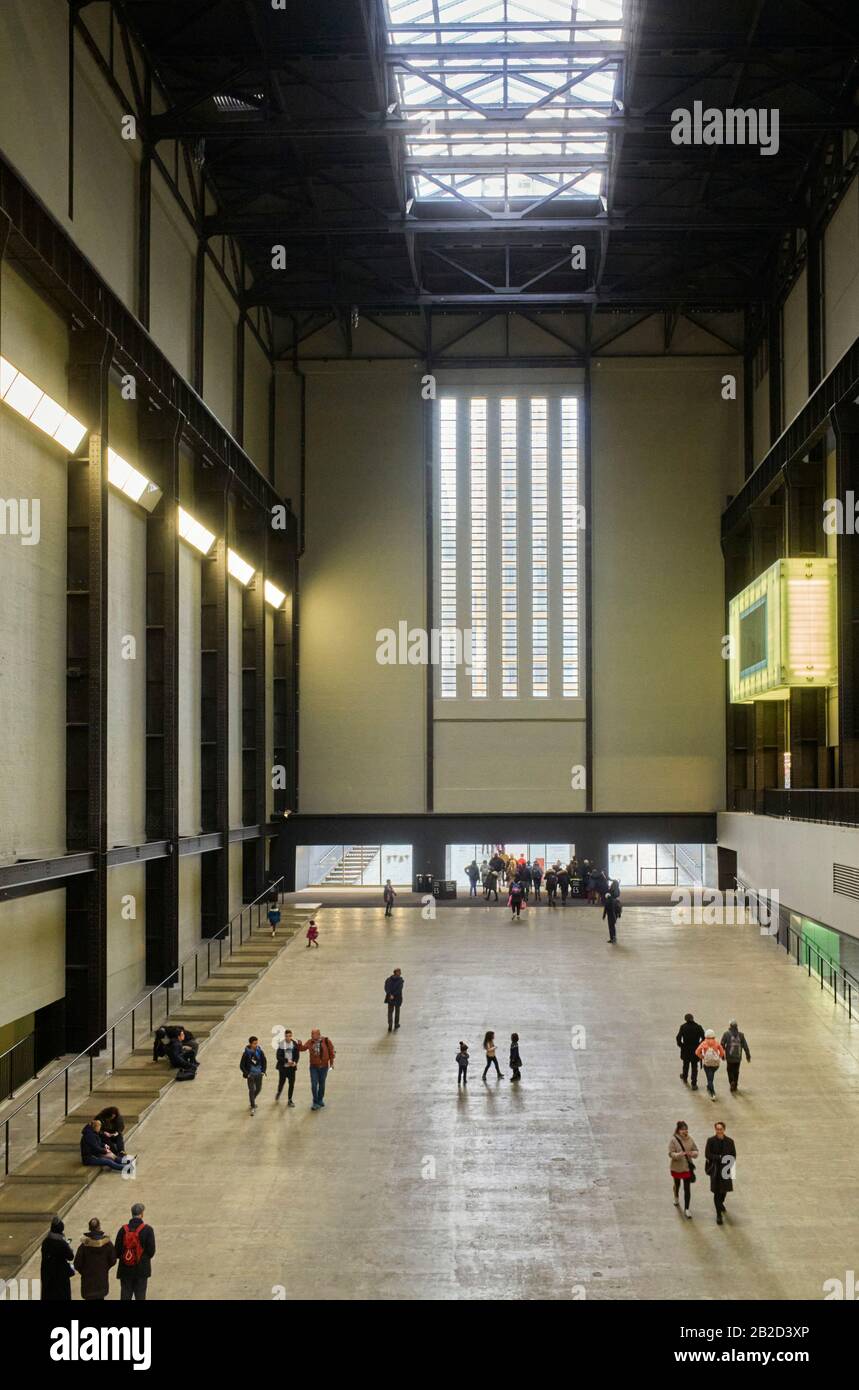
column 403, row 1188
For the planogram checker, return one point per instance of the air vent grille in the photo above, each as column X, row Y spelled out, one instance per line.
column 845, row 880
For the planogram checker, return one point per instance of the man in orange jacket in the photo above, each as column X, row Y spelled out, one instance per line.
column 321, row 1058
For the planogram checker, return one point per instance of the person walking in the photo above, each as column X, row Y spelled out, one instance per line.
column 286, row 1061
column 389, row 894
column 514, row 901
column 491, row 1058
column 551, row 887
column 734, row 1043
column 720, row 1161
column 95, row 1153
column 526, row 879
column 515, row 1059
column 312, row 934
column 611, row 910
column 321, row 1059
column 462, row 1060
column 273, row 916
column 682, row 1151
column 689, row 1035
column 94, row 1259
column 57, row 1265
column 394, row 998
column 491, row 885
column 135, row 1251
column 253, row 1066
column 484, row 870
column 473, row 875
column 536, row 878
column 564, row 885
column 711, row 1054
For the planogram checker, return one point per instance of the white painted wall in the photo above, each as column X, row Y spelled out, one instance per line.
column 32, row 953
column 190, row 898
column 796, row 857
column 126, row 937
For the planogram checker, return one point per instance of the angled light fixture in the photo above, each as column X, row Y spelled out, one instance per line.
column 129, row 481
column 273, row 594
column 239, row 568
column 194, row 532
column 29, row 400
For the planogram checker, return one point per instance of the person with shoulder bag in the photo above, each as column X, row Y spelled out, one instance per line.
column 682, row 1151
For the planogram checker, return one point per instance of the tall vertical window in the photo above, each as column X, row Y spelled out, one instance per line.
column 509, row 614
column 447, row 613
column 539, row 547
column 508, row 494
column 477, row 443
column 570, row 545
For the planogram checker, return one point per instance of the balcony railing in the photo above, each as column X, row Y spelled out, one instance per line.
column 835, row 806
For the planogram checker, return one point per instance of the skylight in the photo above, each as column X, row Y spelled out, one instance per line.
column 508, row 99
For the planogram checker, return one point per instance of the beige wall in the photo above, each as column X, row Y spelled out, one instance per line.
column 666, row 452
column 190, row 887
column 761, row 418
column 126, row 937
column 171, row 309
column 795, row 335
column 234, row 684
column 32, row 953
column 190, row 691
column 362, row 724
column 841, row 277
column 219, row 349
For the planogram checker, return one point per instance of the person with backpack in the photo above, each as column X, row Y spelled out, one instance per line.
column 135, row 1249
column 472, row 872
column 525, row 877
column 611, row 910
column 551, row 886
column 394, row 998
column 536, row 878
column 564, row 885
column 689, row 1035
column 462, row 1060
column 273, row 915
column 491, row 1058
column 711, row 1054
column 514, row 901
column 95, row 1258
column 491, row 885
column 734, row 1043
column 720, row 1161
column 515, row 1059
column 388, row 895
column 682, row 1151
column 321, row 1060
column 288, row 1053
column 253, row 1066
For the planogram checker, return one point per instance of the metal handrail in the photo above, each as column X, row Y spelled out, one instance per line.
column 834, row 971
column 32, row 1070
column 168, row 983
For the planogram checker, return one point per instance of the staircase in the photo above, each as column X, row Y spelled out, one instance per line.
column 350, row 867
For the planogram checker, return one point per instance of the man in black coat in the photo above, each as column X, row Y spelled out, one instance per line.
column 394, row 997
column 253, row 1066
column 720, row 1158
column 288, row 1054
column 135, row 1247
column 689, row 1035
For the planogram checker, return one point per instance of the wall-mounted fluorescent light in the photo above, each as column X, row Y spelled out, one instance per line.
column 273, row 594
column 194, row 533
column 29, row 400
column 128, row 481
column 239, row 568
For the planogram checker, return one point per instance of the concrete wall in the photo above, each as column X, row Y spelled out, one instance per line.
column 32, row 953
column 795, row 350
column 126, row 937
column 190, row 692
column 666, row 452
column 841, row 277
column 795, row 857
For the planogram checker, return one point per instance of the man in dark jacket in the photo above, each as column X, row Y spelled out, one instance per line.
column 94, row 1151
column 551, row 886
column 182, row 1053
column 564, row 885
column 473, row 872
column 491, row 885
column 734, row 1043
column 135, row 1247
column 288, row 1053
column 611, row 911
column 720, row 1158
column 253, row 1067
column 536, row 878
column 55, row 1271
column 95, row 1258
column 689, row 1035
column 394, row 997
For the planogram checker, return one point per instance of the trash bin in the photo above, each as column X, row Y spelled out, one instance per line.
column 445, row 888
column 423, row 883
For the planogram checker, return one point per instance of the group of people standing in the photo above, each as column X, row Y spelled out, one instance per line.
column 132, row 1251
column 523, row 877
column 490, row 1050
column 700, row 1046
column 253, row 1065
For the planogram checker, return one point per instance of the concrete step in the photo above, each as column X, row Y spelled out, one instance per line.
column 51, row 1164
column 18, row 1240
column 37, row 1201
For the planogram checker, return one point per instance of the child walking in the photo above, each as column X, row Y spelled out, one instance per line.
column 515, row 1059
column 462, row 1060
column 491, row 1059
column 312, row 935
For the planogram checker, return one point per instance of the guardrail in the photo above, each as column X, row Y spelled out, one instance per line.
column 17, row 1066
column 832, row 805
column 74, row 1082
column 818, row 965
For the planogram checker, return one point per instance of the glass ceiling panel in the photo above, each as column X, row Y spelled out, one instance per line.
column 474, row 92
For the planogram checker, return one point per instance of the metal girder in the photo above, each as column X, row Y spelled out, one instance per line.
column 271, row 225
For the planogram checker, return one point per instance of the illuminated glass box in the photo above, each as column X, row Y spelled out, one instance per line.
column 783, row 633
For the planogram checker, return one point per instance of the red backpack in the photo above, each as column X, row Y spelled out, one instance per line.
column 132, row 1250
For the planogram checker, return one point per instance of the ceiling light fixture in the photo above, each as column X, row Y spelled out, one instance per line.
column 29, row 400
column 194, row 532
